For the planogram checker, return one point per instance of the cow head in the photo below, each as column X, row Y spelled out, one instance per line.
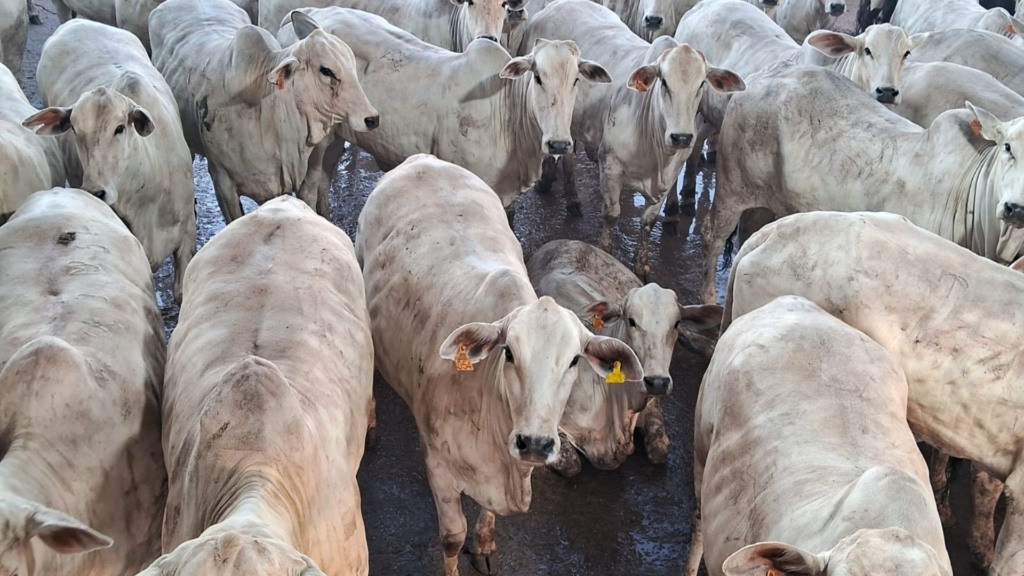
column 555, row 71
column 22, row 521
column 1007, row 171
column 890, row 551
column 1001, row 22
column 676, row 81
column 320, row 70
column 833, row 8
column 535, row 353
column 106, row 126
column 880, row 54
column 232, row 554
column 486, row 18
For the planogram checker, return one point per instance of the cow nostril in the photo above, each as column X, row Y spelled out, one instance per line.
column 681, row 139
column 488, row 37
column 521, row 443
column 1011, row 210
column 886, row 95
column 657, row 385
column 372, row 122
column 547, row 446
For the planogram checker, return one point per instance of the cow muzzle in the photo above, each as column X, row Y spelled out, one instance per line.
column 488, row 37
column 887, row 95
column 372, row 122
column 653, row 22
column 534, row 449
column 515, row 15
column 771, row 3
column 836, row 9
column 558, row 147
column 658, row 385
column 679, row 140
column 1012, row 215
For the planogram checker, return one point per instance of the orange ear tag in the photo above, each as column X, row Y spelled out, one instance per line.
column 616, row 376
column 462, row 361
column 597, row 322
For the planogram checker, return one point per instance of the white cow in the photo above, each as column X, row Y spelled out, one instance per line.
column 126, row 145
column 932, row 88
column 13, row 34
column 488, row 368
column 801, row 17
column 265, row 405
column 991, row 53
column 930, row 15
column 28, row 163
column 599, row 420
column 648, row 19
column 950, row 318
column 451, row 24
column 494, row 115
column 82, row 356
column 641, row 127
column 804, row 139
column 803, row 460
column 254, row 109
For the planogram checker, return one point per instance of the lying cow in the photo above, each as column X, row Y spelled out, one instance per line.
column 494, row 115
column 640, row 128
column 488, row 369
column 13, row 34
column 803, row 460
column 957, row 178
column 930, row 15
column 125, row 144
column 82, row 480
column 266, row 401
column 599, row 420
column 950, row 318
column 451, row 25
column 29, row 163
column 254, row 109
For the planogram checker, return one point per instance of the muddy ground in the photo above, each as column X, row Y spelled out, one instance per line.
column 631, row 521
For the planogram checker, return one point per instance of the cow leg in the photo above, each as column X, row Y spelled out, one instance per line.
column 711, row 156
column 331, row 159
column 183, row 255
column 309, row 190
column 227, row 196
column 371, row 424
column 450, row 518
column 940, row 486
column 63, row 12
column 33, row 13
column 567, row 175
column 611, row 188
column 985, row 491
column 696, row 545
column 717, row 227
column 485, row 550
column 548, row 175
column 643, row 254
column 1009, row 552
column 652, row 422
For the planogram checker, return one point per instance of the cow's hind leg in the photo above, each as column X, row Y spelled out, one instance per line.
column 940, row 486
column 484, row 553
column 652, row 422
column 986, row 492
column 450, row 518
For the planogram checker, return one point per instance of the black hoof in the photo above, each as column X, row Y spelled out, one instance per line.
column 35, row 19
column 485, row 563
column 672, row 209
column 574, row 209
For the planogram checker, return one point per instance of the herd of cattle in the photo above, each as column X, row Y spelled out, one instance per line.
column 878, row 313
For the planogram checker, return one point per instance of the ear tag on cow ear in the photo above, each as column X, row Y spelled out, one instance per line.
column 462, row 361
column 615, row 376
column 597, row 321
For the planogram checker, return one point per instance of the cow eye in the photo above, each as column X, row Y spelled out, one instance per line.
column 907, row 55
column 327, row 72
column 632, row 323
column 537, row 78
column 575, row 82
column 867, row 52
column 575, row 361
column 1009, row 150
column 119, row 129
column 508, row 356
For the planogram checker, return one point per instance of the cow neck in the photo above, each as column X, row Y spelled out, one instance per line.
column 458, row 28
column 971, row 197
column 522, row 131
column 254, row 503
column 32, row 470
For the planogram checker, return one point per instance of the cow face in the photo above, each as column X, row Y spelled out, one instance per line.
column 879, row 54
column 320, row 70
column 107, row 126
column 555, row 71
column 233, row 554
column 1007, row 171
column 890, row 551
column 676, row 82
column 535, row 353
column 656, row 16
column 834, row 8
column 22, row 521
column 486, row 18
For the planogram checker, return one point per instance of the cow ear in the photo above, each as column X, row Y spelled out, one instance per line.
column 643, row 78
column 303, row 24
column 283, row 72
column 774, row 559
column 984, row 124
column 603, row 353
column 723, row 80
column 834, row 44
column 478, row 338
column 311, row 569
column 517, row 67
column 704, row 317
column 142, row 122
column 1016, row 26
column 918, row 39
column 608, row 312
column 594, row 72
column 50, row 121
column 63, row 534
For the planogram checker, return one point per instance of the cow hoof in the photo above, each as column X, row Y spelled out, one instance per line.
column 485, row 563
column 35, row 19
column 574, row 209
column 657, row 448
column 542, row 187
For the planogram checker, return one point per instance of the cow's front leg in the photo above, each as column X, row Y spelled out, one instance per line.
column 940, row 486
column 985, row 491
column 652, row 422
column 611, row 189
column 227, row 194
column 450, row 518
column 485, row 550
column 548, row 176
column 643, row 254
column 1009, row 556
column 309, row 189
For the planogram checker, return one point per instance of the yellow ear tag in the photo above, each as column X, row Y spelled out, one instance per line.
column 597, row 322
column 616, row 376
column 462, row 361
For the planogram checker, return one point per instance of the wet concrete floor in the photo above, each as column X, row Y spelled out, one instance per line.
column 631, row 521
